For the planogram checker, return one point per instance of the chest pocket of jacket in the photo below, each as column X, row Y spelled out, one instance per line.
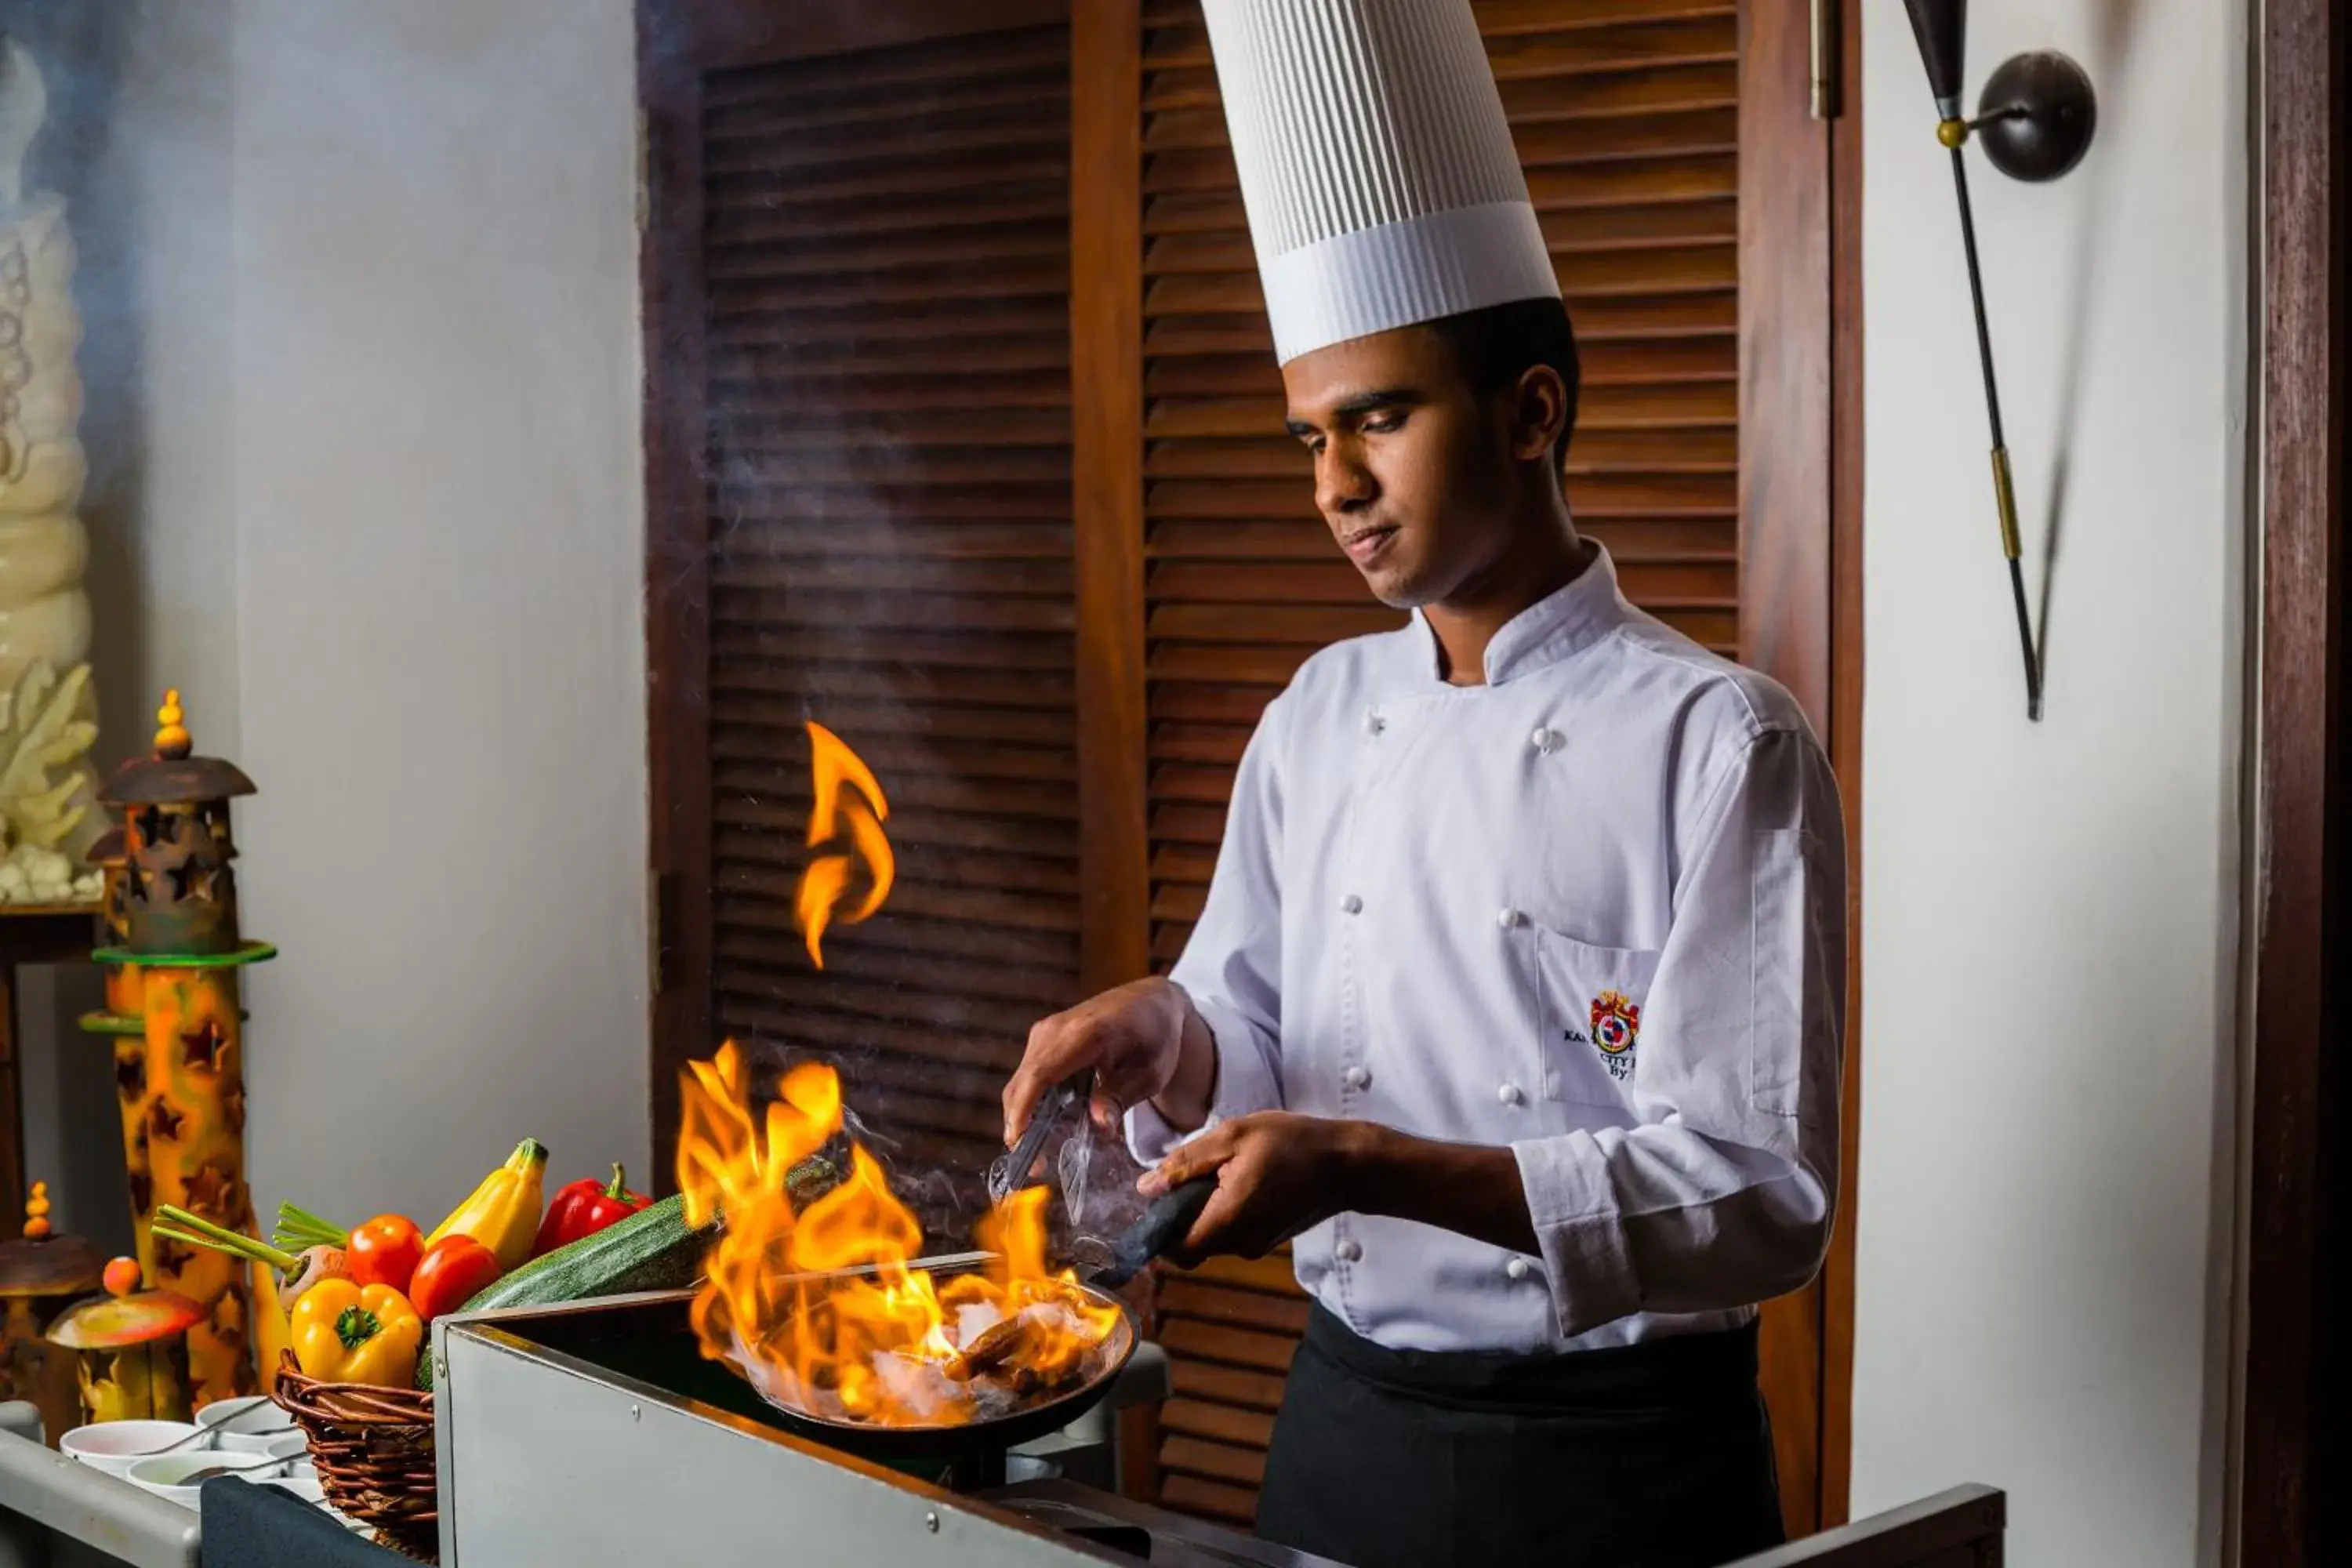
column 1590, row 1006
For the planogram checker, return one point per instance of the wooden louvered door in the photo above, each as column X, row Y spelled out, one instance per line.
column 863, row 322
column 1627, row 115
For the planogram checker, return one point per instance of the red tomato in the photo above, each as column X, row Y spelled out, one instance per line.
column 385, row 1252
column 453, row 1271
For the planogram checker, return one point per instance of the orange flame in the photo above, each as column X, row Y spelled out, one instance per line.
column 832, row 765
column 886, row 1344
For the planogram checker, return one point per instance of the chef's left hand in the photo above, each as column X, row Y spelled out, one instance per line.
column 1277, row 1173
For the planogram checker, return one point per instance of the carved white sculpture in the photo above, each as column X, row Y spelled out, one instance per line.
column 46, row 699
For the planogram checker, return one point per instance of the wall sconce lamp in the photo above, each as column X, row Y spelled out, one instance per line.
column 2034, row 120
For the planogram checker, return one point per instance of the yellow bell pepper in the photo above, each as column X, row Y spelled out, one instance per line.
column 502, row 1213
column 344, row 1333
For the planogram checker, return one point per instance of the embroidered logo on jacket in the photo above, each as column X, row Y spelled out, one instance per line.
column 1616, row 1025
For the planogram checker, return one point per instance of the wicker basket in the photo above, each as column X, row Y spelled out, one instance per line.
column 374, row 1450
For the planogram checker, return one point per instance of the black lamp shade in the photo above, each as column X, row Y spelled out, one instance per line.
column 2037, row 115
column 1941, row 27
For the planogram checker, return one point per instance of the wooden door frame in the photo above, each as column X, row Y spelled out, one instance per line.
column 671, row 56
column 1801, row 569
column 2290, row 1510
column 1107, row 488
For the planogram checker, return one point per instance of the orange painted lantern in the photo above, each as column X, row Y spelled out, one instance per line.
column 180, row 1079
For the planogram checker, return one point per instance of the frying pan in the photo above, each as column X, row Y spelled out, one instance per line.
column 1168, row 1219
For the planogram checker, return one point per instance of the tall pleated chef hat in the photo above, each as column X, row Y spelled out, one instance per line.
column 1376, row 166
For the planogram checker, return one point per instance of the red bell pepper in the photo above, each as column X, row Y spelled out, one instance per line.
column 583, row 1208
column 384, row 1251
column 453, row 1271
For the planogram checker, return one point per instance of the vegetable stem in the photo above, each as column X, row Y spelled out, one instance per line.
column 181, row 1225
column 298, row 1226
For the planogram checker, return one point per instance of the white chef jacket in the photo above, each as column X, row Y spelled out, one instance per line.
column 1593, row 909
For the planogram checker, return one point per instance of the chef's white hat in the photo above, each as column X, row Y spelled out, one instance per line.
column 1376, row 166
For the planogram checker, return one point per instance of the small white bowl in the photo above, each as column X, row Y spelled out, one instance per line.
column 115, row 1445
column 167, row 1476
column 255, row 1425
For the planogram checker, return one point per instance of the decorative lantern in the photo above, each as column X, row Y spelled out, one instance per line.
column 182, row 1080
column 131, row 1349
column 39, row 1274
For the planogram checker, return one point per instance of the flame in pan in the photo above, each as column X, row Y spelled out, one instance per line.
column 888, row 1345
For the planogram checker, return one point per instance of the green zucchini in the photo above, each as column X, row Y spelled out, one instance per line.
column 652, row 1249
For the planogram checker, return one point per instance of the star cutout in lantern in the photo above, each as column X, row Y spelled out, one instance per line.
column 212, row 1193
column 171, row 1257
column 142, row 1191
column 200, row 1048
column 163, row 1122
column 165, row 868
column 233, row 1109
column 130, row 1073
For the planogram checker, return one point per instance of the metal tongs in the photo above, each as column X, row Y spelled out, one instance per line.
column 1170, row 1217
column 1071, row 1093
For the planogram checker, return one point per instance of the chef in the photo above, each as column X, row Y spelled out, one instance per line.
column 1515, row 1005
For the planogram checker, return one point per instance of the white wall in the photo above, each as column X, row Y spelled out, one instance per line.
column 2050, row 911
column 377, row 504
column 439, row 558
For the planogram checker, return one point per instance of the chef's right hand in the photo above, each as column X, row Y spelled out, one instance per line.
column 1143, row 1041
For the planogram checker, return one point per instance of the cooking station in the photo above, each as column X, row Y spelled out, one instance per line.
column 595, row 1436
column 597, row 1433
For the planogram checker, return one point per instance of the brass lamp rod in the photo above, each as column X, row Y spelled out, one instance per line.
column 1953, row 134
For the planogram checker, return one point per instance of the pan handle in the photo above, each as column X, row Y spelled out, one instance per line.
column 1164, row 1223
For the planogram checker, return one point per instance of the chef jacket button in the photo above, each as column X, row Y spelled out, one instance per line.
column 1348, row 1250
column 1351, row 905
column 1357, row 1077
column 1518, row 1268
column 1545, row 741
column 1508, row 918
column 1374, row 723
column 1509, row 1093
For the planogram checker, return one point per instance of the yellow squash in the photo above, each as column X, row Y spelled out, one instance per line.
column 503, row 1212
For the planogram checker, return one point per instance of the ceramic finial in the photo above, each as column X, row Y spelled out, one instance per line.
column 121, row 1277
column 36, row 1213
column 172, row 741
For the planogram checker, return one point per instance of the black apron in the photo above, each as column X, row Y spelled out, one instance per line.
column 1656, row 1455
